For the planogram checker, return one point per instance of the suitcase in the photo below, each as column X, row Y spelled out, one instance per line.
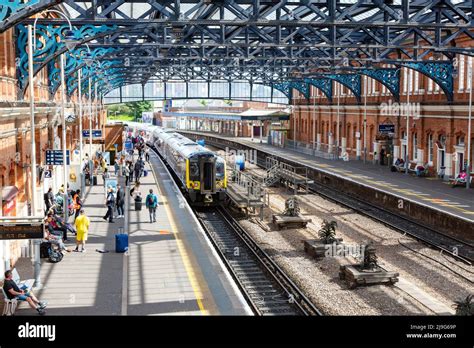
column 121, row 242
column 145, row 172
column 94, row 180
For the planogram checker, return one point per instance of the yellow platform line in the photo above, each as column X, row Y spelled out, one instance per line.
column 182, row 250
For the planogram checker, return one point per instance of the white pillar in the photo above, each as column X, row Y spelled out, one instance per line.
column 419, row 155
column 343, row 144
column 396, row 153
column 358, row 148
column 318, row 141
column 330, row 143
column 376, row 150
column 449, row 164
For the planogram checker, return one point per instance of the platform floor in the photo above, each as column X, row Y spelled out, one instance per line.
column 432, row 192
column 170, row 268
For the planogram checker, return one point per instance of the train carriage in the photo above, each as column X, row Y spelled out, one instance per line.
column 201, row 172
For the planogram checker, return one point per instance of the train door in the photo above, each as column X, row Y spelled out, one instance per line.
column 208, row 174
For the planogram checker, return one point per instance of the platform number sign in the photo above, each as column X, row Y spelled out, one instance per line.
column 48, row 174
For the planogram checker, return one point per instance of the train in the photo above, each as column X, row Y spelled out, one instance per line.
column 201, row 172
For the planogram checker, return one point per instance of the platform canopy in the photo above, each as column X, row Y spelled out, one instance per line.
column 249, row 115
column 288, row 45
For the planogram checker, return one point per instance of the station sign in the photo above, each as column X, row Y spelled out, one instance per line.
column 55, row 157
column 21, row 230
column 128, row 145
column 386, row 128
column 48, row 174
column 96, row 133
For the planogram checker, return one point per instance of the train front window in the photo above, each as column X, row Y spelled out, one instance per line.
column 193, row 170
column 220, row 169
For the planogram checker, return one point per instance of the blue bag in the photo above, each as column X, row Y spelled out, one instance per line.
column 121, row 242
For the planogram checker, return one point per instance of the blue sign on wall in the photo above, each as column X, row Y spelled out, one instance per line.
column 96, row 133
column 386, row 128
column 128, row 145
column 55, row 157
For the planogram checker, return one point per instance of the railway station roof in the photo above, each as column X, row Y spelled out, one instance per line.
column 249, row 115
column 289, row 45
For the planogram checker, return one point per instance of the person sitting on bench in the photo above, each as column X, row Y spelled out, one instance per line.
column 13, row 291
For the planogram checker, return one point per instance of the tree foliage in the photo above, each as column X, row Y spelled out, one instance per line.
column 327, row 233
column 136, row 108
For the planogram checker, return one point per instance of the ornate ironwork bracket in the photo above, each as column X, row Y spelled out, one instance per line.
column 351, row 81
column 439, row 72
column 49, row 42
column 286, row 87
column 325, row 85
column 390, row 78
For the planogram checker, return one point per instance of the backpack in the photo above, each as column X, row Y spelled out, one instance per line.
column 151, row 201
column 44, row 249
column 55, row 255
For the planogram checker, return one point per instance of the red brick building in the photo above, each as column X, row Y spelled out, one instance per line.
column 437, row 129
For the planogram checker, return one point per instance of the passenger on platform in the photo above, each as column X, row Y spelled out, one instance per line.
column 120, row 201
column 82, row 227
column 131, row 171
column 126, row 173
column 106, row 175
column 147, row 154
column 151, row 202
column 110, row 202
column 77, row 202
column 137, row 170
column 55, row 239
column 420, row 170
column 49, row 199
column 135, row 189
column 13, row 291
column 382, row 156
column 116, row 168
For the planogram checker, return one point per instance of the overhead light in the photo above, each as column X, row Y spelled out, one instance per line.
column 88, row 59
column 70, row 40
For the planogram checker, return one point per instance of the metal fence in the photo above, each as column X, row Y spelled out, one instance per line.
column 322, row 151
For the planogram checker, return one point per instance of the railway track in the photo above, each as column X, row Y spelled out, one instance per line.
column 267, row 288
column 456, row 248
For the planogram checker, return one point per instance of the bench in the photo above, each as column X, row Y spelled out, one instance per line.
column 12, row 304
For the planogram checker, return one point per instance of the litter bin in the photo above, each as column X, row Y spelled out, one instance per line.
column 138, row 203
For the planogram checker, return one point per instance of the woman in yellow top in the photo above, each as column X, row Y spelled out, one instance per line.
column 82, row 227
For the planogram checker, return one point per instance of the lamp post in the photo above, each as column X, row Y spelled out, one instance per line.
column 365, row 118
column 339, row 90
column 36, row 242
column 410, row 74
column 63, row 126
column 79, row 97
column 31, row 47
column 468, row 169
column 90, row 134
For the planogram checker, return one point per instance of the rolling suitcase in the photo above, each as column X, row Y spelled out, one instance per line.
column 121, row 242
column 94, row 180
column 145, row 172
